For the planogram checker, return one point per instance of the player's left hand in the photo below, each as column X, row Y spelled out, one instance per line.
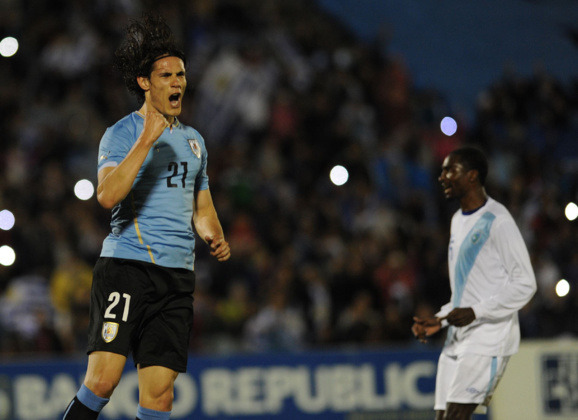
column 219, row 248
column 460, row 317
column 423, row 328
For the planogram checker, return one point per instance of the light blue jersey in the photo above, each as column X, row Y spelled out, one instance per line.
column 154, row 222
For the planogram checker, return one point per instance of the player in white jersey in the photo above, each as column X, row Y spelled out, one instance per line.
column 152, row 175
column 491, row 279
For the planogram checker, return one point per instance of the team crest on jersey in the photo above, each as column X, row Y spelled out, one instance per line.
column 195, row 147
column 109, row 331
column 475, row 237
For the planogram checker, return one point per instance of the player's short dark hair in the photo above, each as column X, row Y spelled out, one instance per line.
column 147, row 39
column 473, row 158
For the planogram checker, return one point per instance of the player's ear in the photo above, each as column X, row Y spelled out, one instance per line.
column 144, row 83
column 473, row 175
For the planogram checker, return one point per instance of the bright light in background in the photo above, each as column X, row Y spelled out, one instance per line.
column 7, row 255
column 571, row 211
column 562, row 288
column 6, row 220
column 339, row 175
column 449, row 126
column 8, row 46
column 84, row 189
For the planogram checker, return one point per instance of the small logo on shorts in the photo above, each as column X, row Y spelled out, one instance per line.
column 109, row 331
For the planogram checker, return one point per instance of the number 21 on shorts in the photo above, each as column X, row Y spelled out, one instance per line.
column 115, row 298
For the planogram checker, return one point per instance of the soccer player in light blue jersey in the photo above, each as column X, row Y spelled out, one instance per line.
column 491, row 279
column 152, row 174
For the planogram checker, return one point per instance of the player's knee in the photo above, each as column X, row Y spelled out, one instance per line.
column 459, row 412
column 455, row 416
column 101, row 386
column 165, row 402
column 159, row 401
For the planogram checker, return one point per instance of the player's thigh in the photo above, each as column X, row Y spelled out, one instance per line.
column 156, row 386
column 446, row 370
column 104, row 372
column 456, row 411
column 165, row 339
column 476, row 378
column 117, row 307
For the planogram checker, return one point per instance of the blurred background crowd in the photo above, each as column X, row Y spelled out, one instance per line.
column 281, row 92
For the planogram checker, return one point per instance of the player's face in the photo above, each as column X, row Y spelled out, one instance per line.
column 453, row 178
column 167, row 86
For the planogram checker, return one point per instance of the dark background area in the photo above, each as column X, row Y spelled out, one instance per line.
column 282, row 91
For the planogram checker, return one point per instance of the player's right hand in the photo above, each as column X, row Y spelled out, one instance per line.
column 154, row 125
column 460, row 317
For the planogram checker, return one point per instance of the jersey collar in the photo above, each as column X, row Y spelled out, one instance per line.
column 175, row 124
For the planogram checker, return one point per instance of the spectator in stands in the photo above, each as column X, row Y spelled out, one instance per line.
column 277, row 326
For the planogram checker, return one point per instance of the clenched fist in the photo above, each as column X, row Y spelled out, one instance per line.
column 154, row 125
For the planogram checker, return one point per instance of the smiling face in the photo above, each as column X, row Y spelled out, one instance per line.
column 165, row 88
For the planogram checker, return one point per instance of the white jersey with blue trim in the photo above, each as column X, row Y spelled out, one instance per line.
column 490, row 271
column 154, row 221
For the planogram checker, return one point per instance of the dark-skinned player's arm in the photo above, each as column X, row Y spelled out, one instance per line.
column 423, row 328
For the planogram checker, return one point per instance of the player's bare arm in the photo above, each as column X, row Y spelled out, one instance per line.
column 114, row 183
column 209, row 227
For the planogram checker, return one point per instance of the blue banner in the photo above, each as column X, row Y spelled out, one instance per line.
column 339, row 385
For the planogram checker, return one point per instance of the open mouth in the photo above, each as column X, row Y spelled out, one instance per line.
column 174, row 99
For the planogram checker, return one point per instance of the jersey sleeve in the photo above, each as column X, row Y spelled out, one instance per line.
column 443, row 312
column 202, row 179
column 114, row 146
column 521, row 284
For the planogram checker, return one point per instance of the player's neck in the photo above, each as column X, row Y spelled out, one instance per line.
column 473, row 201
column 145, row 108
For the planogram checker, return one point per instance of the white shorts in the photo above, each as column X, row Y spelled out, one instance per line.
column 468, row 379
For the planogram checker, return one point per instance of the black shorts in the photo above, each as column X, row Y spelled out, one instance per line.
column 142, row 308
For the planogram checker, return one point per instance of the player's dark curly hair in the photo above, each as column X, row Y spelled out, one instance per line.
column 473, row 158
column 146, row 40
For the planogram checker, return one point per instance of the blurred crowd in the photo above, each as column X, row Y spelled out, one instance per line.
column 281, row 93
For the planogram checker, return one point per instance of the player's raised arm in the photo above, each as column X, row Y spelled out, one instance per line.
column 114, row 183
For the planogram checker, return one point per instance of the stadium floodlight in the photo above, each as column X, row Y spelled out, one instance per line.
column 7, row 220
column 84, row 189
column 339, row 175
column 562, row 288
column 7, row 255
column 571, row 211
column 449, row 126
column 8, row 46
